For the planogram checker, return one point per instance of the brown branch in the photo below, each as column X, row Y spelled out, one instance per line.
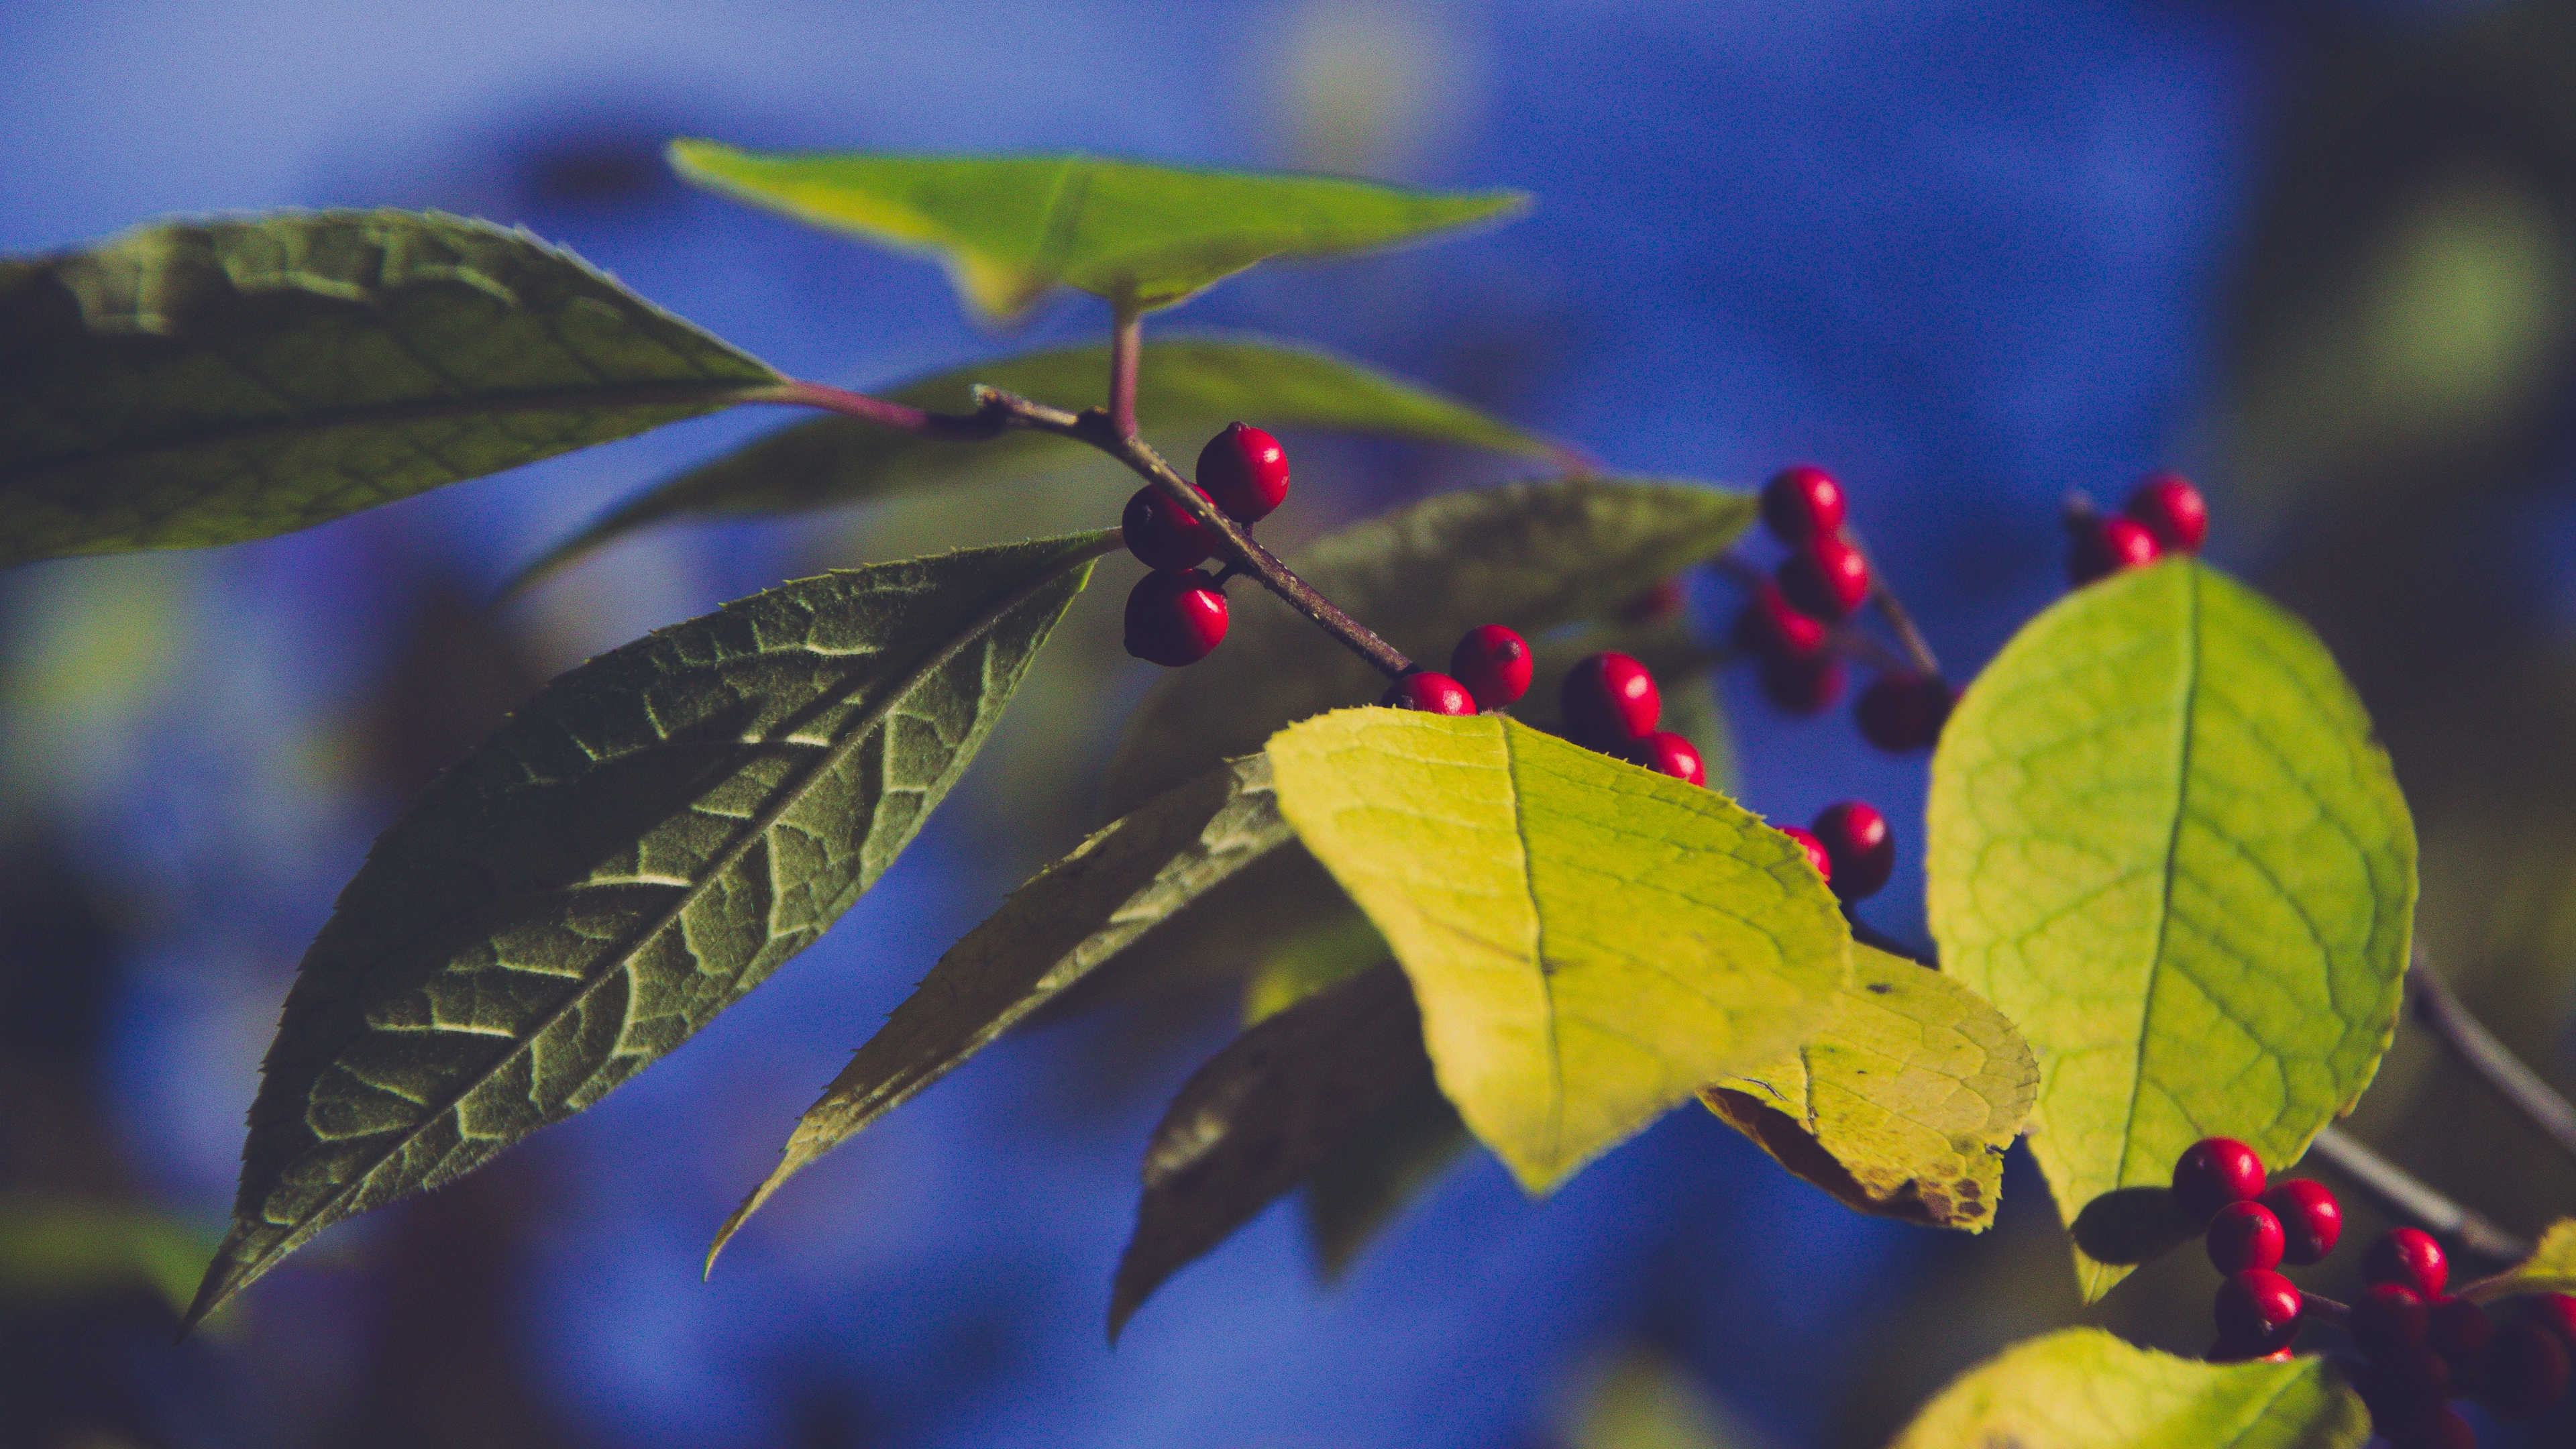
column 2441, row 1011
column 2411, row 1197
column 1126, row 349
column 986, row 421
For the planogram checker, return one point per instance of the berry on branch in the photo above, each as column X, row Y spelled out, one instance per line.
column 1494, row 663
column 1826, row 577
column 1862, row 848
column 1901, row 712
column 2105, row 546
column 2409, row 1258
column 2388, row 1321
column 1161, row 534
column 2212, row 1173
column 1430, row 693
column 1772, row 627
column 1609, row 701
column 1814, row 848
column 1802, row 502
column 1669, row 754
column 1245, row 471
column 2244, row 1236
column 2255, row 1306
column 1175, row 617
column 2460, row 1331
column 1803, row 686
column 2170, row 508
column 2311, row 1219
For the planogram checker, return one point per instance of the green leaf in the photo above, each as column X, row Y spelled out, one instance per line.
column 1902, row 1105
column 2081, row 1388
column 1591, row 942
column 1645, row 1400
column 1532, row 556
column 1068, row 919
column 642, row 843
column 2551, row 1268
column 2163, row 842
column 54, row 1250
column 1196, row 384
column 184, row 385
column 1248, row 1125
column 1010, row 229
column 1369, row 1176
column 1340, row 946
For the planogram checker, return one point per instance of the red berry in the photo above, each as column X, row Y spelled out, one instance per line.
column 1494, row 664
column 2212, row 1173
column 1826, row 577
column 1801, row 503
column 1430, row 693
column 1245, row 471
column 1900, row 712
column 2279, row 1348
column 1655, row 605
column 2389, row 1320
column 1610, row 700
column 2104, row 547
column 1162, row 534
column 2557, row 1313
column 2410, row 1258
column 1861, row 846
column 2255, row 1305
column 1772, row 627
column 2311, row 1219
column 1803, row 686
column 2434, row 1428
column 2171, row 509
column 1667, row 753
column 2244, row 1236
column 1814, row 848
column 2459, row 1331
column 1175, row 617
column 2524, row 1373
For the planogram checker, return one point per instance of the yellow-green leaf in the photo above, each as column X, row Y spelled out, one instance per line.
column 2551, row 1268
column 1590, row 942
column 1010, row 229
column 2084, row 1389
column 2165, row 845
column 1902, row 1104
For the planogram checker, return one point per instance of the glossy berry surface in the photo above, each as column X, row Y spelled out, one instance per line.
column 1494, row 663
column 2212, row 1173
column 2388, row 1320
column 1430, row 693
column 1245, row 471
column 1175, row 617
column 2311, row 1219
column 1901, row 712
column 2166, row 505
column 1667, row 753
column 1814, row 848
column 2106, row 546
column 2459, row 1331
column 1161, row 535
column 1801, row 503
column 2254, row 1305
column 1826, row 577
column 2409, row 1258
column 2524, row 1374
column 1610, row 700
column 1862, row 848
column 2244, row 1236
column 1772, row 627
column 1803, row 686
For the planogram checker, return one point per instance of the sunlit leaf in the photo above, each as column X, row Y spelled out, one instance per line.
column 2084, row 1389
column 1010, row 229
column 2551, row 1268
column 642, row 843
column 2164, row 844
column 1590, row 942
column 184, row 384
column 1068, row 919
column 1902, row 1104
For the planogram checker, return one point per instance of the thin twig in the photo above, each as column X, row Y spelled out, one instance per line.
column 2441, row 1011
column 1903, row 623
column 2412, row 1197
column 986, row 421
column 1126, row 348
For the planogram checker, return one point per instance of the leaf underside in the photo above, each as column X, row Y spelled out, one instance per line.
column 2081, row 1388
column 2551, row 1268
column 184, row 385
column 642, row 843
column 2164, row 844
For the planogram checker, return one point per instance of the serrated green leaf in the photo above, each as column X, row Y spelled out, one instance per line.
column 2163, row 842
column 191, row 384
column 1197, row 384
column 642, row 843
column 1901, row 1105
column 2084, row 1389
column 1590, row 942
column 1247, row 1126
column 1068, row 919
column 2551, row 1268
column 1010, row 229
column 1532, row 556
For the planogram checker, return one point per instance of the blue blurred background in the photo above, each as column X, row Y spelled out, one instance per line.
column 1969, row 256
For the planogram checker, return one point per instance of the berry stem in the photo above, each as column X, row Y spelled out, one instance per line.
column 2412, row 1197
column 2439, row 1008
column 987, row 421
column 1893, row 611
column 1126, row 346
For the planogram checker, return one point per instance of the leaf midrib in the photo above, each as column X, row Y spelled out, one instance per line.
column 2173, row 848
column 1538, row 954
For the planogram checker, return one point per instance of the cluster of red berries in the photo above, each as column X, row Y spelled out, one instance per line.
column 2164, row 514
column 1176, row 615
column 2420, row 1349
column 1788, row 623
column 1851, row 846
column 1610, row 701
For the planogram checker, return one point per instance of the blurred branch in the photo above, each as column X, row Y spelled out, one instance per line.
column 2411, row 1197
column 2440, row 1010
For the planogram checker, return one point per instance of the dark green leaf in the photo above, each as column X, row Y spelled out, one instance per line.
column 1369, row 1176
column 185, row 385
column 1012, row 228
column 640, row 845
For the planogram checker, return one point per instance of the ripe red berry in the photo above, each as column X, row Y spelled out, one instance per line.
column 2171, row 509
column 2410, row 1258
column 1826, row 577
column 1862, row 848
column 1803, row 686
column 1494, row 664
column 2212, row 1173
column 1814, row 848
column 1162, row 534
column 2311, row 1219
column 1610, row 700
column 2279, row 1348
column 1430, row 693
column 2557, row 1313
column 1175, row 617
column 2104, row 547
column 1772, row 627
column 2389, row 1320
column 2525, row 1372
column 2440, row 1427
column 2459, row 1331
column 1667, row 753
column 1801, row 503
column 2255, row 1305
column 1245, row 471
column 2244, row 1236
column 1901, row 712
